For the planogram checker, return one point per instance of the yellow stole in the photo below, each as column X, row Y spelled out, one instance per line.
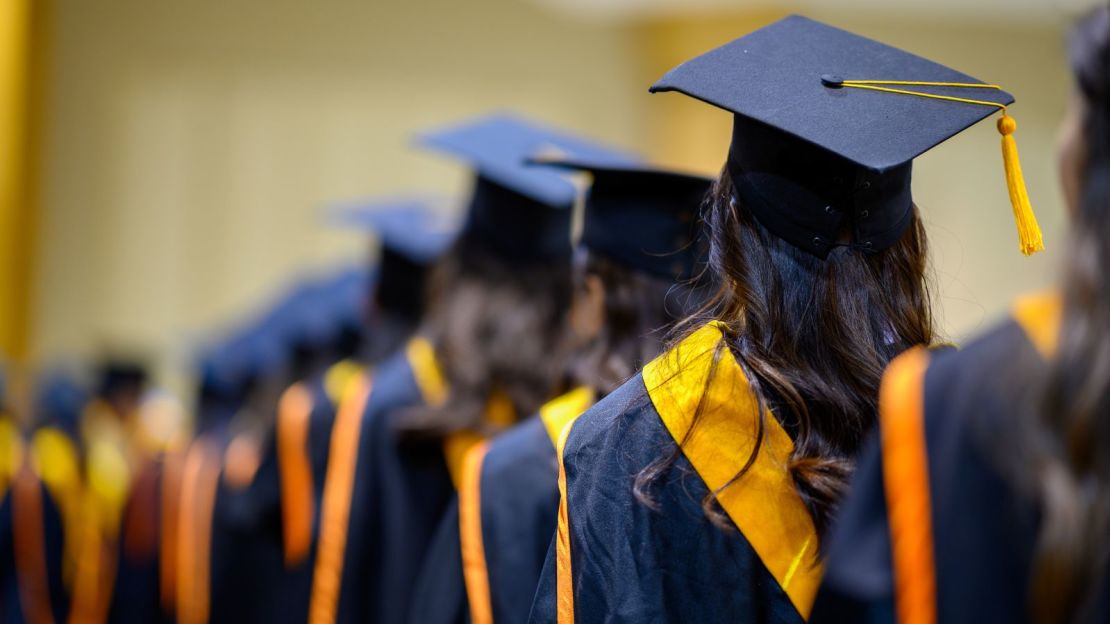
column 434, row 391
column 763, row 504
column 1039, row 316
column 556, row 415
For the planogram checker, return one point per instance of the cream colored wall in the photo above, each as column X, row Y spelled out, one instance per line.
column 190, row 145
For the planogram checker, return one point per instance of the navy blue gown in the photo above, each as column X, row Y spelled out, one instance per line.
column 615, row 559
column 978, row 527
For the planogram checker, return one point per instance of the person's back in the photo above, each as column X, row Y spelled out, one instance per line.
column 699, row 490
column 986, row 498
column 488, row 351
column 982, row 525
column 636, row 271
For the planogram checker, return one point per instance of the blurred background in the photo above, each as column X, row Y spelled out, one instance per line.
column 165, row 165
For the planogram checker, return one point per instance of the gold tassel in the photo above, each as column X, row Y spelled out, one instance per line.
column 1029, row 233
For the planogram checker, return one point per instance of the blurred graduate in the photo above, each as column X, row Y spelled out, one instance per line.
column 319, row 341
column 487, row 353
column 634, row 276
column 40, row 503
column 698, row 491
column 986, row 498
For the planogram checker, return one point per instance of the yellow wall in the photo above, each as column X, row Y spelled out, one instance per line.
column 18, row 54
column 191, row 145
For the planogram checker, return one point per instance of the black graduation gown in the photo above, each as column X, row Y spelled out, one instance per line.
column 246, row 564
column 614, row 559
column 982, row 529
column 33, row 515
column 401, row 491
column 136, row 592
column 510, row 497
column 258, row 570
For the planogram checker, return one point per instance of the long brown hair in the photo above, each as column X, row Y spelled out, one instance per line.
column 1070, row 434
column 640, row 310
column 496, row 327
column 813, row 337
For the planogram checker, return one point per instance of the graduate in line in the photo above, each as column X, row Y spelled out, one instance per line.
column 986, row 498
column 273, row 393
column 40, row 499
column 414, row 233
column 358, row 321
column 698, row 491
column 487, row 352
column 639, row 254
column 219, row 559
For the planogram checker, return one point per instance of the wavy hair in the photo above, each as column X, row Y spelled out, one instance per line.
column 1070, row 434
column 812, row 336
column 640, row 310
column 497, row 327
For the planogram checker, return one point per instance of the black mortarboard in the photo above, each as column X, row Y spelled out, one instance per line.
column 642, row 217
column 414, row 233
column 519, row 212
column 120, row 375
column 60, row 400
column 826, row 124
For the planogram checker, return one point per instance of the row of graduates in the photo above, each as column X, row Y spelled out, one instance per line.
column 80, row 493
column 662, row 421
column 91, row 474
column 726, row 350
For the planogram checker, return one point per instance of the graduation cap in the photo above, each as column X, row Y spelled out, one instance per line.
column 59, row 401
column 414, row 232
column 519, row 212
column 642, row 217
column 224, row 369
column 827, row 123
column 345, row 300
column 120, row 375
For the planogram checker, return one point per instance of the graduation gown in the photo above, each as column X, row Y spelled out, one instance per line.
column 965, row 547
column 36, row 508
column 137, row 589
column 400, row 492
column 265, row 524
column 614, row 559
column 488, row 564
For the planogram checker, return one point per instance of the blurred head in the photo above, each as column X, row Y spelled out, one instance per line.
column 619, row 318
column 121, row 385
column 1071, row 151
column 497, row 326
column 1070, row 435
column 640, row 254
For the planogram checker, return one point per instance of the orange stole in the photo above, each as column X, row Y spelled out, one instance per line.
column 338, row 487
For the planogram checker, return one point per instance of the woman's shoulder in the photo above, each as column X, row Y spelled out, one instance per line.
column 991, row 374
column 394, row 385
column 694, row 406
column 524, row 444
column 666, row 396
column 617, row 422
